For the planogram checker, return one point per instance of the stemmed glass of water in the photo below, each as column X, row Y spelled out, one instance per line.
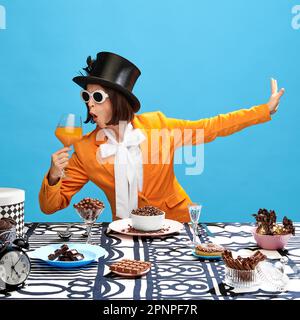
column 194, row 211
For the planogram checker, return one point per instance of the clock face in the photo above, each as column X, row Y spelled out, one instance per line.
column 14, row 267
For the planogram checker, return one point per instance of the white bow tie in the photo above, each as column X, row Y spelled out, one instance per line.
column 127, row 158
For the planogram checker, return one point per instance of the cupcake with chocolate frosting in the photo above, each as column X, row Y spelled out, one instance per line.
column 6, row 224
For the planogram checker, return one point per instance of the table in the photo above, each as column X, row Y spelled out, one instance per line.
column 176, row 274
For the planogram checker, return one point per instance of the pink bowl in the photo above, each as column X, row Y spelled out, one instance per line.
column 271, row 242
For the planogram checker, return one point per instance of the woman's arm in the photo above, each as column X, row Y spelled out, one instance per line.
column 188, row 132
column 58, row 196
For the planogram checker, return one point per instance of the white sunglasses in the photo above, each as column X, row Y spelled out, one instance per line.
column 99, row 96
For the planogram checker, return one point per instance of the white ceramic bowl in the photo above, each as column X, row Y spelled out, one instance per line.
column 148, row 223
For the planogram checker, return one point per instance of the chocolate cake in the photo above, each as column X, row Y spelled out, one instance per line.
column 6, row 224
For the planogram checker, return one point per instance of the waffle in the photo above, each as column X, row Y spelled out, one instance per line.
column 133, row 267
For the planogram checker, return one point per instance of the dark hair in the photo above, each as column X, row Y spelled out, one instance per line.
column 121, row 108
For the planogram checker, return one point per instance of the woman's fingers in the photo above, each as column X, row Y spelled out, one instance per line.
column 62, row 161
column 62, row 155
column 275, row 96
column 59, row 160
column 281, row 92
column 274, row 86
column 62, row 165
column 65, row 149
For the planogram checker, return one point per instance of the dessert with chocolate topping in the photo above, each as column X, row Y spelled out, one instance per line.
column 6, row 224
column 266, row 224
column 209, row 249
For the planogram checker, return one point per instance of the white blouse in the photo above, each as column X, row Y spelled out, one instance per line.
column 128, row 167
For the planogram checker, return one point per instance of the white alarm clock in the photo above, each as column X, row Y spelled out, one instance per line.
column 15, row 265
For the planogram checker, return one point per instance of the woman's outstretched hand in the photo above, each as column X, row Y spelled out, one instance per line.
column 275, row 96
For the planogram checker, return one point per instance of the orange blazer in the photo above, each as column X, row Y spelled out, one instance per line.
column 160, row 186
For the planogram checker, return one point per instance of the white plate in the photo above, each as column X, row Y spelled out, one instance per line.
column 122, row 226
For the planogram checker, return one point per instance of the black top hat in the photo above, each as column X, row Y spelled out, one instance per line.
column 113, row 71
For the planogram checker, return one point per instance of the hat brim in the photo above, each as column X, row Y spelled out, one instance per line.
column 82, row 81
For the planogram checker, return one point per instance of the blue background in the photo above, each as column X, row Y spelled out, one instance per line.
column 198, row 59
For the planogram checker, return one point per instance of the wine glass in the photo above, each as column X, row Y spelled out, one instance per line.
column 194, row 211
column 89, row 217
column 68, row 131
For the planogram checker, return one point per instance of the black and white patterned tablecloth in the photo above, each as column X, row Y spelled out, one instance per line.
column 176, row 274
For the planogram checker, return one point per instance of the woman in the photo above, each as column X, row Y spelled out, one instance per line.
column 116, row 155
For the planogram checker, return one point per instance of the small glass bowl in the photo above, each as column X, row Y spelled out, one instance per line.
column 241, row 278
column 273, row 275
column 89, row 216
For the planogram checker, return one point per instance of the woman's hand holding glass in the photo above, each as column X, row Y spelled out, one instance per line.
column 68, row 131
column 59, row 160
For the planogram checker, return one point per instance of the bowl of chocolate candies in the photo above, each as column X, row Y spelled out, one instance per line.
column 89, row 209
column 147, row 218
column 270, row 235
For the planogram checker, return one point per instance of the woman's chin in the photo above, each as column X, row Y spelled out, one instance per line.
column 101, row 125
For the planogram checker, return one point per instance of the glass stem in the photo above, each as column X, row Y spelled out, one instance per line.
column 89, row 229
column 194, row 233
